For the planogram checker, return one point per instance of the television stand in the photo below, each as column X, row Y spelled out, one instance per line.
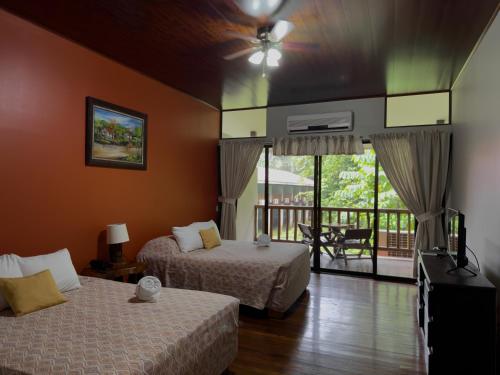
column 461, row 268
column 457, row 315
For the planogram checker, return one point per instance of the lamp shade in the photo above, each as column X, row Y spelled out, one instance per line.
column 117, row 233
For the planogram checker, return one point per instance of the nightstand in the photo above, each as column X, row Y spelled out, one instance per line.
column 130, row 272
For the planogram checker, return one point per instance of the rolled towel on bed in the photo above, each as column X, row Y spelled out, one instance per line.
column 148, row 289
column 263, row 240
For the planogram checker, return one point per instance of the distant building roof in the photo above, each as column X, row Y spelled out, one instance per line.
column 279, row 177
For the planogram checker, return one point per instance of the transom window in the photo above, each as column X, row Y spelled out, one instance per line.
column 418, row 110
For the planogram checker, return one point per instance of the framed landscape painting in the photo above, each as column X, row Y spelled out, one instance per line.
column 115, row 136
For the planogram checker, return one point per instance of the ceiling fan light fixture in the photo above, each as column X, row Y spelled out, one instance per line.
column 272, row 62
column 273, row 54
column 259, row 8
column 256, row 57
column 280, row 30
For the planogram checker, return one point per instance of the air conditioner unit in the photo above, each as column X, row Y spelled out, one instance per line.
column 321, row 122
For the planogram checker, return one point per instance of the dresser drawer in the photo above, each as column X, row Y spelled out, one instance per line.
column 432, row 363
column 428, row 296
column 429, row 328
column 420, row 314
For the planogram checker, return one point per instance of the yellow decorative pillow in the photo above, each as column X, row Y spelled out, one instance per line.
column 209, row 238
column 31, row 293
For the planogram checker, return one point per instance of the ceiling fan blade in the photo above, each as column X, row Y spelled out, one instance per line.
column 299, row 46
column 237, row 35
column 280, row 30
column 243, row 52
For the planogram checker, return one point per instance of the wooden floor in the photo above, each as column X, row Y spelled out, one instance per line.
column 387, row 266
column 342, row 325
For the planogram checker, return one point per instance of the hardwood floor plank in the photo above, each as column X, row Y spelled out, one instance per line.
column 341, row 325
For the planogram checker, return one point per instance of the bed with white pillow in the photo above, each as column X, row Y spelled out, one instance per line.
column 270, row 277
column 9, row 267
column 102, row 328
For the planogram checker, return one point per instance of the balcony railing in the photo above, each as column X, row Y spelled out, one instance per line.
column 396, row 226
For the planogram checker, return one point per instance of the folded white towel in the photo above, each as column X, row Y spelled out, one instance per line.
column 263, row 240
column 148, row 289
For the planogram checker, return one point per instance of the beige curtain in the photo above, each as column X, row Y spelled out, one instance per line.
column 416, row 165
column 318, row 145
column 238, row 159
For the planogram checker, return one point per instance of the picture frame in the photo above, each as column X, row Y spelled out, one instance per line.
column 116, row 137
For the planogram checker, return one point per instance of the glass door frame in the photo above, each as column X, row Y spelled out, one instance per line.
column 317, row 214
column 316, row 222
column 317, row 218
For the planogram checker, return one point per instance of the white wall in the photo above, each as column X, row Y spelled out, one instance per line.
column 476, row 168
column 368, row 116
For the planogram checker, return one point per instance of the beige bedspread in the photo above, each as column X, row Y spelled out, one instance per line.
column 98, row 331
column 260, row 277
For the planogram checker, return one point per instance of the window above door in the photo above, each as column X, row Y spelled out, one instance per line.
column 247, row 123
column 418, row 110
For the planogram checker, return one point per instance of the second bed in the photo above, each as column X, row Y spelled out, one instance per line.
column 261, row 277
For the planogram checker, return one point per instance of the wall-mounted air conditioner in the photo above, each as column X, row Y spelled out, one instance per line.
column 321, row 122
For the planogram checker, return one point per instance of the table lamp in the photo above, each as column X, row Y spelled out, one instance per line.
column 116, row 235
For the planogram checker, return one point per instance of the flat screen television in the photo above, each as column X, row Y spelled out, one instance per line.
column 457, row 237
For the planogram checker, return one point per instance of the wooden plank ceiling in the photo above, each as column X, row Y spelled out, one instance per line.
column 366, row 47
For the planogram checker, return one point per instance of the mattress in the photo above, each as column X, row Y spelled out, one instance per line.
column 260, row 277
column 103, row 329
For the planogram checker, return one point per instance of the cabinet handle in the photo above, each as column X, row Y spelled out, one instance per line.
column 431, row 350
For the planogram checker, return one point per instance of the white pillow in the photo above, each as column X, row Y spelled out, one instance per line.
column 60, row 266
column 205, row 225
column 188, row 238
column 9, row 267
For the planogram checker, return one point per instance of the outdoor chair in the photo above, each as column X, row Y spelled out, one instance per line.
column 354, row 239
column 326, row 239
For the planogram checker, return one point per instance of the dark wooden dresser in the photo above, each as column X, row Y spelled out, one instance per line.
column 457, row 315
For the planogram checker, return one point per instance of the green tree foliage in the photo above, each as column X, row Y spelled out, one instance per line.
column 347, row 180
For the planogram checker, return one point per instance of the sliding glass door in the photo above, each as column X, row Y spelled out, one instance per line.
column 347, row 194
column 339, row 196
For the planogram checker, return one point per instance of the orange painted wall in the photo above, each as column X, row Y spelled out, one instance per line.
column 49, row 198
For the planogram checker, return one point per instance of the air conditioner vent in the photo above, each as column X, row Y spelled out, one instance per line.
column 318, row 123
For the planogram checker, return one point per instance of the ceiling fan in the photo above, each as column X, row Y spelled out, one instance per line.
column 267, row 44
column 268, row 41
